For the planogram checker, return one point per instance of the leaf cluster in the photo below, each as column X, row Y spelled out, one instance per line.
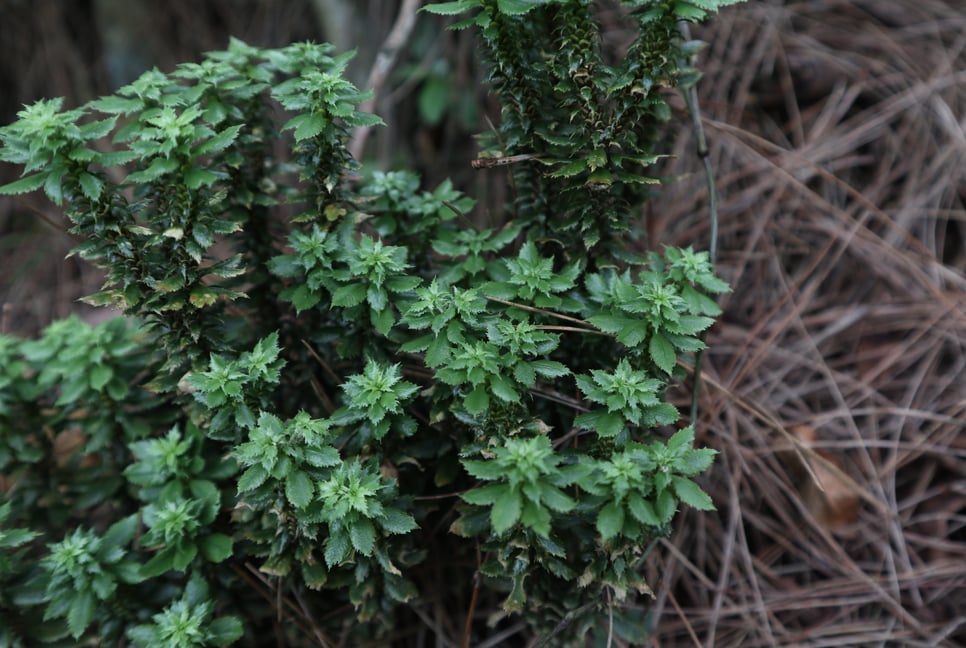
column 188, row 622
column 591, row 120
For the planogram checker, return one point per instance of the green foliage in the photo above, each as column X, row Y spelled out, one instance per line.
column 529, row 485
column 320, row 374
column 14, row 550
column 82, row 572
column 630, row 395
column 233, row 389
column 178, row 525
column 593, row 121
column 187, row 622
column 643, row 483
column 375, row 398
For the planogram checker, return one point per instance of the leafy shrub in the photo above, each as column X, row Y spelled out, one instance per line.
column 321, row 376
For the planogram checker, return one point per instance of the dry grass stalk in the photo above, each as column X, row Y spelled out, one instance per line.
column 837, row 132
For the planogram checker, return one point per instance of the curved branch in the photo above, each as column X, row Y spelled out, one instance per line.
column 383, row 64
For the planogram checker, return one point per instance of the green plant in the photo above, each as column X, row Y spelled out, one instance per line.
column 82, row 572
column 322, row 377
column 187, row 622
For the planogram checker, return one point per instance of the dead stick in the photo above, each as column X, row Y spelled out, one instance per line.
column 385, row 59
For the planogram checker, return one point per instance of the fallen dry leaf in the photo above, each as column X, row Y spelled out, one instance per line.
column 830, row 499
column 67, row 444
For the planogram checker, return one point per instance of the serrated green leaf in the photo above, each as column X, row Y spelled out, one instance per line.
column 144, row 636
column 91, row 186
column 550, row 368
column 53, row 187
column 699, row 303
column 660, row 414
column 304, row 298
column 611, row 323
column 607, row 424
column 315, row 575
column 382, row 320
column 252, row 478
column 83, row 154
column 158, row 168
column 500, row 290
column 686, row 343
column 16, row 537
column 97, row 129
column 183, row 556
column 363, row 535
column 662, row 352
column 324, row 457
column 299, row 488
column 224, row 630
column 506, row 510
column 517, row 7
column 634, row 332
column 349, row 295
column 114, row 105
column 449, row 8
column 599, row 178
column 117, row 158
column 477, row 400
column 72, row 389
column 438, row 351
column 121, row 532
column 337, row 547
column 245, row 417
column 488, row 470
column 81, row 612
column 24, row 185
column 642, row 510
column 610, row 520
column 713, row 285
column 377, row 297
column 202, row 296
column 683, row 438
column 524, row 374
column 402, row 283
column 688, row 11
column 128, row 571
column 665, row 507
column 361, row 118
column 219, row 142
column 503, row 389
column 216, row 547
column 556, row 499
column 102, row 298
column 307, row 126
column 637, row 178
column 536, row 517
column 695, row 461
column 197, row 177
column 100, row 375
column 162, row 562
column 485, row 495
column 690, row 324
column 691, row 494
column 397, row 522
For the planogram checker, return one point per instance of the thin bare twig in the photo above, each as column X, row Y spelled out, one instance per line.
column 694, row 110
column 385, row 60
column 542, row 311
